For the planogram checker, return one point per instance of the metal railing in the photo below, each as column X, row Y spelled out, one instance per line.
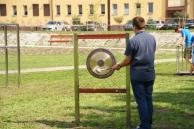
column 182, row 66
column 5, row 47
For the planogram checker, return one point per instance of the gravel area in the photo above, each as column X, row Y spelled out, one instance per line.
column 41, row 39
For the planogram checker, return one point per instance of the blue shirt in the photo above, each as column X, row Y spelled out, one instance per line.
column 192, row 40
column 192, row 43
column 142, row 48
column 187, row 34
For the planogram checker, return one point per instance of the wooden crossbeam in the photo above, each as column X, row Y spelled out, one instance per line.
column 67, row 40
column 101, row 36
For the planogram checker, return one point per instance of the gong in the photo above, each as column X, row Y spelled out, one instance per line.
column 99, row 63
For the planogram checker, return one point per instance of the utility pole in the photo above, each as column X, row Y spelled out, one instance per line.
column 186, row 7
column 51, row 9
column 108, row 6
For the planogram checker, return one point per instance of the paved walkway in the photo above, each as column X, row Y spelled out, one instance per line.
column 66, row 68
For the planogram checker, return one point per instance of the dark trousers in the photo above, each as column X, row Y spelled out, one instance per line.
column 143, row 96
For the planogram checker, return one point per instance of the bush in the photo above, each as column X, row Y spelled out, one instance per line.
column 118, row 19
column 76, row 20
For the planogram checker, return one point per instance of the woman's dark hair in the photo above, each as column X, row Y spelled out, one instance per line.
column 138, row 22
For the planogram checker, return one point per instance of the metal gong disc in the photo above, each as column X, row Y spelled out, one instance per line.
column 99, row 63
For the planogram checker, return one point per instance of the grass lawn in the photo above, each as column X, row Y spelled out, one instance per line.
column 46, row 101
column 55, row 60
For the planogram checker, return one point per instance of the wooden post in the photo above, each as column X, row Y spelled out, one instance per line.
column 6, row 56
column 76, row 79
column 128, row 93
column 177, row 60
column 18, row 56
column 182, row 56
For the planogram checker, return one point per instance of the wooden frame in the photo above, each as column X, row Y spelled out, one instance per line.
column 79, row 90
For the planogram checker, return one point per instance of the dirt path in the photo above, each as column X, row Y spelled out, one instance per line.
column 66, row 68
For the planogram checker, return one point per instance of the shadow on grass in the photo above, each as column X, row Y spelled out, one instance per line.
column 92, row 117
column 101, row 117
column 178, row 114
column 88, row 121
column 114, row 117
column 189, row 81
column 58, row 124
column 166, row 74
column 173, row 109
column 51, row 123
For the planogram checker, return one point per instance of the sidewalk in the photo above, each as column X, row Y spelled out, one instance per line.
column 67, row 68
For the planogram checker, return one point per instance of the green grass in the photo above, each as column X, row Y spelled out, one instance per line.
column 41, row 61
column 55, row 60
column 165, row 55
column 46, row 100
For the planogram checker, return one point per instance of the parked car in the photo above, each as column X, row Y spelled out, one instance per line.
column 53, row 25
column 66, row 26
column 151, row 24
column 128, row 25
column 189, row 23
column 171, row 24
column 154, row 24
column 95, row 26
column 104, row 26
column 91, row 25
column 79, row 27
column 75, row 27
column 159, row 24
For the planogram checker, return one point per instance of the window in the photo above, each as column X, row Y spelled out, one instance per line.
column 150, row 7
column 46, row 10
column 102, row 9
column 3, row 11
column 126, row 9
column 58, row 10
column 138, row 8
column 68, row 9
column 114, row 9
column 25, row 10
column 91, row 9
column 80, row 9
column 14, row 10
column 35, row 9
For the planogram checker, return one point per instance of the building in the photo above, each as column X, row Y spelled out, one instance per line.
column 184, row 6
column 38, row 12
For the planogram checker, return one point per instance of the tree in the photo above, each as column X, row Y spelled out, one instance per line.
column 76, row 20
column 180, row 18
column 179, row 15
column 118, row 19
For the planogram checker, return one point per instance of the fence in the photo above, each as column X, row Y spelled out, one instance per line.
column 182, row 66
column 6, row 48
